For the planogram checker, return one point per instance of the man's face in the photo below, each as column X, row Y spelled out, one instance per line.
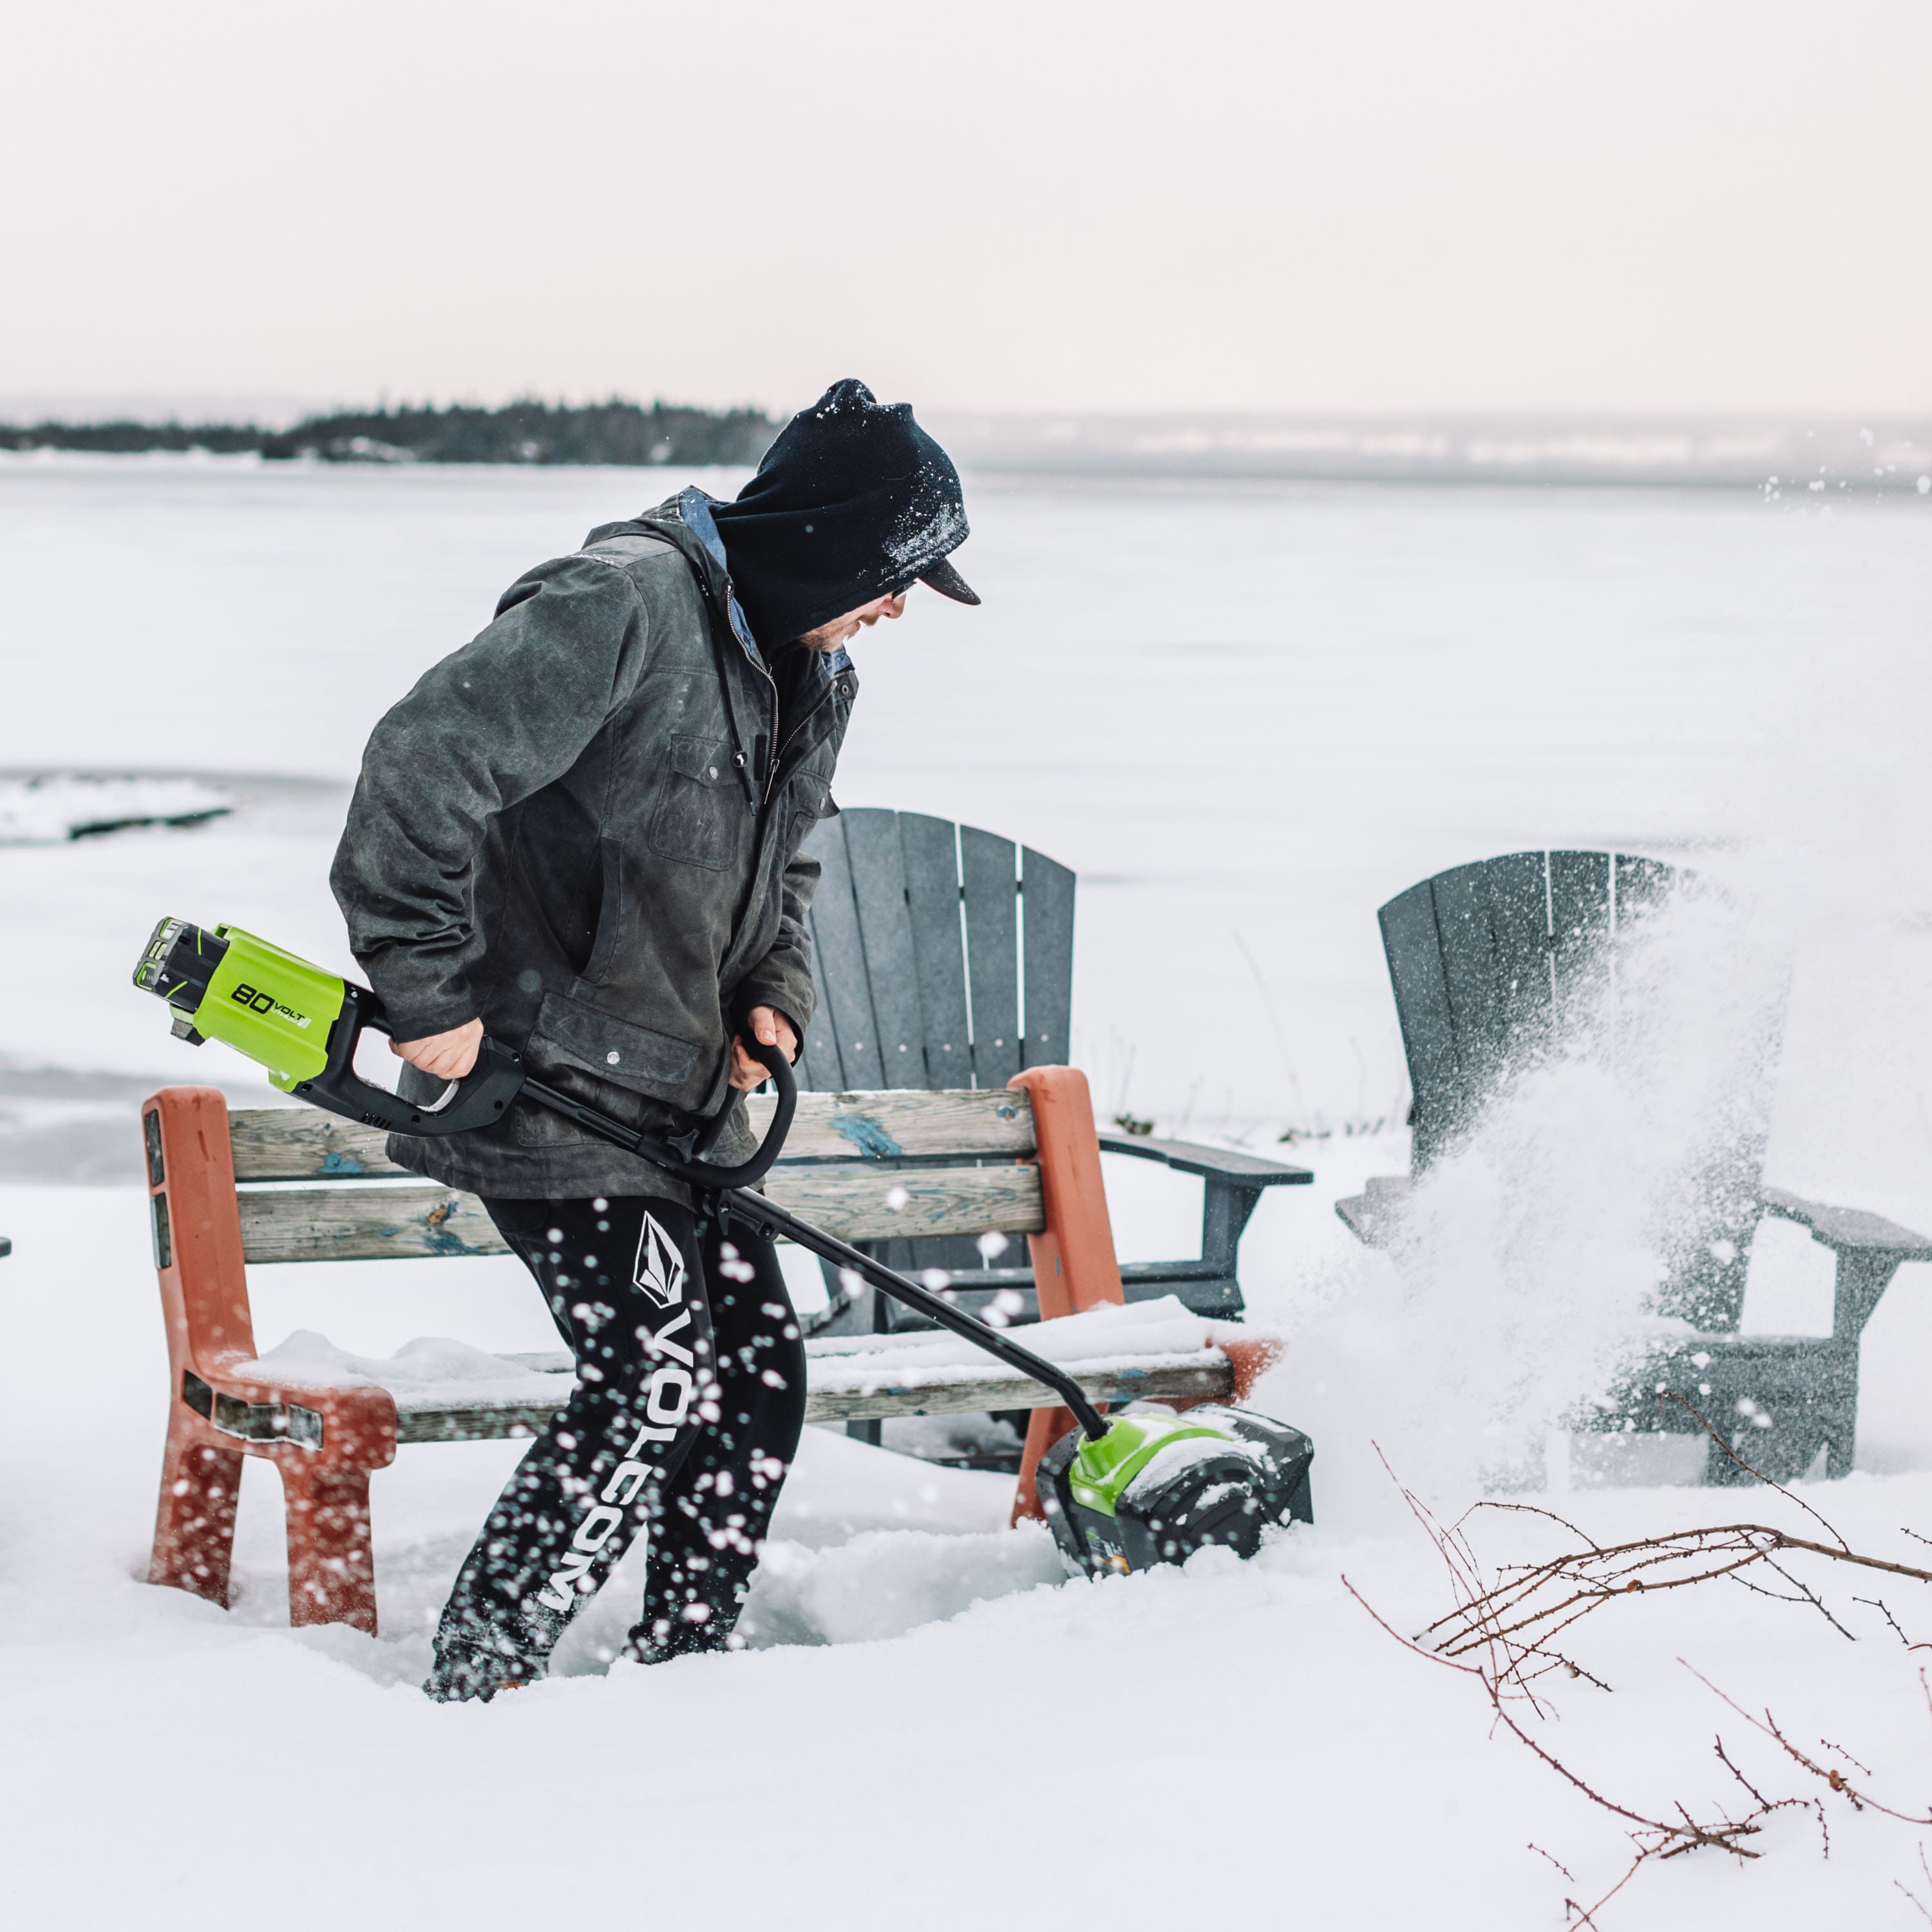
column 842, row 630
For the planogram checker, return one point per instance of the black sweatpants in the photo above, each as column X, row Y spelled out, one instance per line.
column 690, row 1401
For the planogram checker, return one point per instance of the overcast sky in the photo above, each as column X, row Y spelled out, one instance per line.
column 1375, row 205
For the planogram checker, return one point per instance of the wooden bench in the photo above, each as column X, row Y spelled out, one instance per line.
column 291, row 1184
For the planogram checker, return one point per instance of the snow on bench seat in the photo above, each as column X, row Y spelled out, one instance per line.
column 447, row 1391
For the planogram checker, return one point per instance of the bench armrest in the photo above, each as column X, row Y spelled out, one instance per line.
column 1245, row 1170
column 1848, row 1230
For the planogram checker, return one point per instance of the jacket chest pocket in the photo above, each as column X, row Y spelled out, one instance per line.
column 701, row 818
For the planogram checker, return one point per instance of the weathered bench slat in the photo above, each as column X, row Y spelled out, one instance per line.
column 856, row 1206
column 1212, row 1379
column 476, row 1422
column 303, row 1143
column 364, row 1224
column 354, row 1224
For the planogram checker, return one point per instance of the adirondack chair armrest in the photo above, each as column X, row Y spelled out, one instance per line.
column 1232, row 1184
column 1847, row 1230
column 1869, row 1251
column 1370, row 1215
column 1213, row 1164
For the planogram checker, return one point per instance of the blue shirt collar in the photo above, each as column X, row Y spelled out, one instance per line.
column 694, row 505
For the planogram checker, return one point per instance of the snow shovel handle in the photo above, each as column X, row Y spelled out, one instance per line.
column 678, row 1154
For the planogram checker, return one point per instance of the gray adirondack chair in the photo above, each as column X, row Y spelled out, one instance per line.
column 1496, row 962
column 944, row 957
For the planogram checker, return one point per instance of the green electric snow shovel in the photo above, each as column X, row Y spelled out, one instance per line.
column 1146, row 1485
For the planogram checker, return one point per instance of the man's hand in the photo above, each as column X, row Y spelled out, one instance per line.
column 447, row 1056
column 771, row 1028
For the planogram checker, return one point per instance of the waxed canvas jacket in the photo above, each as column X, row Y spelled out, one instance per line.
column 584, row 827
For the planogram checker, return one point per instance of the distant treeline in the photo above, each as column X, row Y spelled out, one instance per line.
column 526, row 432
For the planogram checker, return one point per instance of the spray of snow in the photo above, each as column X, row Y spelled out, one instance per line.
column 1521, row 1280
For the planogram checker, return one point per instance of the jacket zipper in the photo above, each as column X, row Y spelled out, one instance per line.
column 778, row 750
column 778, row 756
column 765, row 673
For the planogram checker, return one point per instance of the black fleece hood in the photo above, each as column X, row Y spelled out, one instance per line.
column 854, row 501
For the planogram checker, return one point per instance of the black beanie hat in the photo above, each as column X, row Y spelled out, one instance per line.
column 854, row 501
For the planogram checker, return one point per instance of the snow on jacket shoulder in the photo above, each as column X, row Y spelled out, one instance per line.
column 581, row 827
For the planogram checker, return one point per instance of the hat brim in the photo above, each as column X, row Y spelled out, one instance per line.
column 947, row 581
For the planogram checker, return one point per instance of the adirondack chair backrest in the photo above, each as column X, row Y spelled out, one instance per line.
column 943, row 956
column 1496, row 963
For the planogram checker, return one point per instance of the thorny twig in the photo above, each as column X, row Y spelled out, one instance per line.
column 1924, row 1912
column 1858, row 1800
column 1878, row 1604
column 1534, row 1846
column 1508, row 1663
column 1533, row 1602
column 1501, row 1630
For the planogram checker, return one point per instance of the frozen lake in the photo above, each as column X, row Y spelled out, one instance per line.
column 1245, row 714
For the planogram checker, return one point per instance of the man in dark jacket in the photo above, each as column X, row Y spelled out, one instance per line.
column 581, row 833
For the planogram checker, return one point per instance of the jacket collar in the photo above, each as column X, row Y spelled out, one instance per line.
column 668, row 521
column 694, row 510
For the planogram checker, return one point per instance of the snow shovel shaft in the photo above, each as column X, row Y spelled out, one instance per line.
column 738, row 1204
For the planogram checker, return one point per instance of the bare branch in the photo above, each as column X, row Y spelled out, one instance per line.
column 1884, row 1609
column 1556, row 1861
column 1764, row 1803
column 1504, row 1622
column 1859, row 1801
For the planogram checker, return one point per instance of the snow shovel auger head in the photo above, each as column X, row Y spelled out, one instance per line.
column 1159, row 1486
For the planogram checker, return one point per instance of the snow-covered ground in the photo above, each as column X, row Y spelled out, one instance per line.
column 1246, row 715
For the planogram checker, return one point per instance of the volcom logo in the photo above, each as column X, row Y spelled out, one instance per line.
column 667, row 1399
column 660, row 1268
